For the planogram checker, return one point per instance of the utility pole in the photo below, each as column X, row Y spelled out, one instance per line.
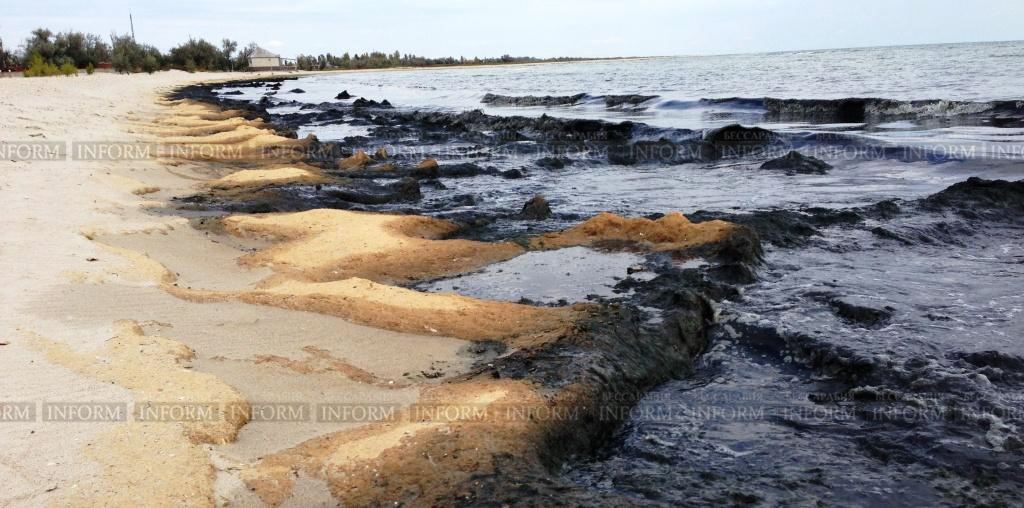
column 131, row 22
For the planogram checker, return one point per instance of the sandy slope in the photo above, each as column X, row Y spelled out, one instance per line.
column 83, row 324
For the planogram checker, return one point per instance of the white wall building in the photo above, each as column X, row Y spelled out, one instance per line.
column 263, row 60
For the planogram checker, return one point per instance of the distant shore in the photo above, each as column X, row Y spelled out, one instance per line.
column 234, row 75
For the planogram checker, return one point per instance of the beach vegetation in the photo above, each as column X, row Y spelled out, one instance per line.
column 89, row 69
column 381, row 60
column 227, row 48
column 202, row 55
column 76, row 48
column 68, row 69
column 128, row 56
column 8, row 61
column 241, row 61
column 38, row 67
column 150, row 64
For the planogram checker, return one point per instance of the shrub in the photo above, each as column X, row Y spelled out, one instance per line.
column 89, row 69
column 38, row 67
column 150, row 65
column 190, row 65
column 69, row 69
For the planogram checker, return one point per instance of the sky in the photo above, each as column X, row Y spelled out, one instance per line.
column 541, row 28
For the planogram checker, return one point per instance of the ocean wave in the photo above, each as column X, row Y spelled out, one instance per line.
column 855, row 110
column 631, row 101
column 872, row 110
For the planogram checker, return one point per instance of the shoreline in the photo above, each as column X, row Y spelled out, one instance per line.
column 610, row 347
column 154, row 299
column 618, row 370
column 235, row 287
column 298, row 73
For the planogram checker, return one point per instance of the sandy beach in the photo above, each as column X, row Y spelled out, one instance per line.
column 87, row 322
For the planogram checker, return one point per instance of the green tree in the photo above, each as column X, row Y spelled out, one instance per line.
column 39, row 43
column 80, row 49
column 242, row 60
column 150, row 64
column 196, row 54
column 7, row 59
column 70, row 47
column 227, row 48
column 128, row 56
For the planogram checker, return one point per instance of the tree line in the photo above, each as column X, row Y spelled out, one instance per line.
column 380, row 60
column 44, row 49
column 45, row 52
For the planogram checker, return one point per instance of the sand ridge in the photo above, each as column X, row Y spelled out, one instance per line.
column 199, row 127
column 406, row 310
column 380, row 305
column 672, row 232
column 226, row 139
column 325, row 245
column 248, row 178
column 445, row 429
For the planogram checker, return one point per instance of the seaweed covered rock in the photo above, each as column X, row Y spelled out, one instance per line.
column 977, row 197
column 407, row 189
column 536, row 208
column 512, row 174
column 344, row 95
column 532, row 100
column 464, row 169
column 660, row 151
column 782, row 228
column 850, row 110
column 427, row 169
column 368, row 103
column 358, row 160
column 795, row 162
column 613, row 101
column 553, row 162
column 366, row 193
column 737, row 141
column 855, row 311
